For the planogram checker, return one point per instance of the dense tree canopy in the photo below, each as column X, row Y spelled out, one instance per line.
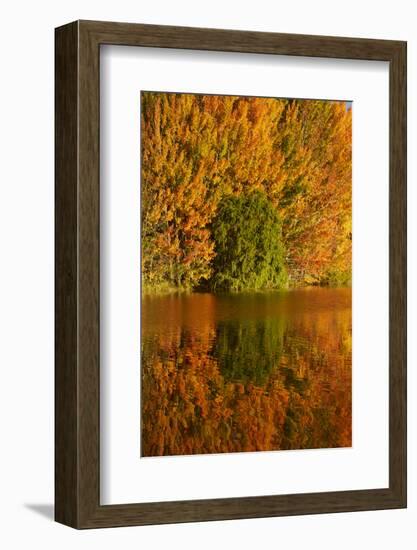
column 197, row 150
column 248, row 249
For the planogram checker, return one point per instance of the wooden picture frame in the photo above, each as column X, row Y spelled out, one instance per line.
column 77, row 372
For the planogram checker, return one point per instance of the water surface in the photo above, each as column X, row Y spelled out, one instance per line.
column 246, row 372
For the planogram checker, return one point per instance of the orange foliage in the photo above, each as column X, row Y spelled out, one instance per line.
column 197, row 149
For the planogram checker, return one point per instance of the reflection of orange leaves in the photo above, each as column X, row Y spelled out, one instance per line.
column 252, row 415
column 188, row 407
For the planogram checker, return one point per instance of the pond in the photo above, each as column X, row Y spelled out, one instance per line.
column 262, row 371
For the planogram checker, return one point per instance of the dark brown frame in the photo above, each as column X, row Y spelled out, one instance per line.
column 77, row 358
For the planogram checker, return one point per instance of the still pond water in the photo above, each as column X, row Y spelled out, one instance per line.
column 246, row 372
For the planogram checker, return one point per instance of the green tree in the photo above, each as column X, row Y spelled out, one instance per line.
column 249, row 251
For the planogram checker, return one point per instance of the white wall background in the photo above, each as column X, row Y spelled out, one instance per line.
column 26, row 272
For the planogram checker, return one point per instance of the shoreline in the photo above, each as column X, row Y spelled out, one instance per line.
column 183, row 291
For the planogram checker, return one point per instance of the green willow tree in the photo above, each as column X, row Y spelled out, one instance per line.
column 247, row 237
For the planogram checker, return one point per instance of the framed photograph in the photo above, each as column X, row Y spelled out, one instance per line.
column 230, row 274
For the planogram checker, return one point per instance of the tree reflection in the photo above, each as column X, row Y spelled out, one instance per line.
column 230, row 386
column 250, row 350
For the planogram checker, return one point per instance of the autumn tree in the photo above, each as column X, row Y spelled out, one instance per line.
column 315, row 200
column 198, row 150
column 176, row 202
